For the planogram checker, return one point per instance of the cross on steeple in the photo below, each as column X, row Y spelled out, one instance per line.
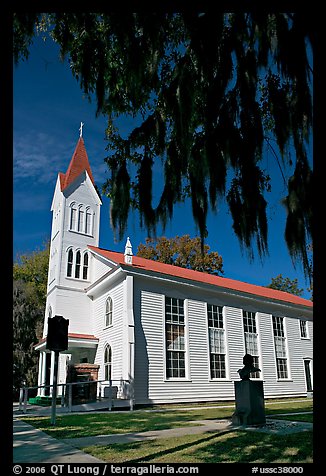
column 81, row 129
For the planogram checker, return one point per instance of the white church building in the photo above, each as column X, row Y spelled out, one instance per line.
column 163, row 333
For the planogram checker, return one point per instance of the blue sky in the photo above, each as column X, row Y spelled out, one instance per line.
column 48, row 107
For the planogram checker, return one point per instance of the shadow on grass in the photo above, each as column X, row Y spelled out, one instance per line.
column 225, row 447
column 76, row 426
column 265, row 448
column 181, row 447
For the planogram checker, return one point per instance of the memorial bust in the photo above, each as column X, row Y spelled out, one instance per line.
column 248, row 362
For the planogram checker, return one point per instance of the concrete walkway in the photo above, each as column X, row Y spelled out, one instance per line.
column 200, row 426
column 34, row 446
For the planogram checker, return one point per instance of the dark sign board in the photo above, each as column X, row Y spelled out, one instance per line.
column 57, row 338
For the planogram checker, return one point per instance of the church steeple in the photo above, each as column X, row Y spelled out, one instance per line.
column 79, row 162
column 75, row 223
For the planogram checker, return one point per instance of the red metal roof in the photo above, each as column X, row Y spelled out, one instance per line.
column 189, row 274
column 82, row 336
column 79, row 162
column 71, row 336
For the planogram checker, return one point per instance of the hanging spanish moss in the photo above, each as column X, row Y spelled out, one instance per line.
column 208, row 90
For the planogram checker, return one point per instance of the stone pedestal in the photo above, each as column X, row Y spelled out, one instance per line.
column 249, row 403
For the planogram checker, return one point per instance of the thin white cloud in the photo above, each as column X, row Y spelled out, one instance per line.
column 38, row 157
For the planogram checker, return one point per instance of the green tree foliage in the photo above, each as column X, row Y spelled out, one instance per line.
column 182, row 251
column 286, row 284
column 208, row 90
column 27, row 321
column 32, row 269
column 29, row 296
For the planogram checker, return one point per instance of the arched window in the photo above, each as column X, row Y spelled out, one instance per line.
column 108, row 312
column 85, row 266
column 80, row 219
column 50, row 312
column 73, row 216
column 108, row 363
column 88, row 222
column 70, row 262
column 77, row 267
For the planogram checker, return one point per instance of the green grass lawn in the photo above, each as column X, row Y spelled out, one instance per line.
column 226, row 447
column 91, row 424
column 306, row 418
column 75, row 426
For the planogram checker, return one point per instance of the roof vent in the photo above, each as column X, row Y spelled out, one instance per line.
column 128, row 252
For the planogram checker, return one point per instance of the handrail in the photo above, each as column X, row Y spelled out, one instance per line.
column 75, row 383
column 23, row 394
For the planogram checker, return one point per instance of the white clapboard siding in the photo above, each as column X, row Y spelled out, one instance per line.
column 235, row 340
column 198, row 342
column 307, row 344
column 76, row 307
column 150, row 358
column 295, row 358
column 202, row 384
column 267, row 363
column 99, row 268
column 112, row 335
column 140, row 358
column 295, row 384
column 150, row 382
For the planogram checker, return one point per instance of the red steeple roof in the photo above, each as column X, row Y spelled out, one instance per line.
column 79, row 162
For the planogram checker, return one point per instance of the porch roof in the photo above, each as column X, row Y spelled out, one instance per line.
column 74, row 340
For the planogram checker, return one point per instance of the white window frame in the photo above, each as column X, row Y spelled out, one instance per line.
column 81, row 219
column 78, row 253
column 256, row 334
column 73, row 208
column 90, row 213
column 85, row 255
column 284, row 340
column 306, row 337
column 108, row 323
column 311, row 369
column 107, row 366
column 80, row 216
column 185, row 341
column 225, row 347
column 70, row 263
